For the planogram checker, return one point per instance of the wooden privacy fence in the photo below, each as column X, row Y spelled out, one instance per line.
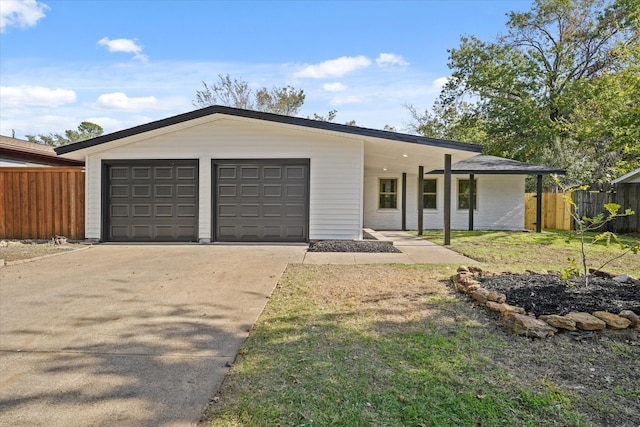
column 627, row 195
column 554, row 212
column 40, row 203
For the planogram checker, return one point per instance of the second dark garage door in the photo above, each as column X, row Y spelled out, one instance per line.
column 263, row 200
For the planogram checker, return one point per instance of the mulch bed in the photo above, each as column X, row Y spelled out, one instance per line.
column 550, row 294
column 371, row 246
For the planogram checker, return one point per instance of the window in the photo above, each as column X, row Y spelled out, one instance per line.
column 463, row 194
column 429, row 193
column 388, row 194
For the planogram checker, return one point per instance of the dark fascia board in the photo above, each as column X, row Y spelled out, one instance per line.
column 296, row 121
column 493, row 165
column 37, row 158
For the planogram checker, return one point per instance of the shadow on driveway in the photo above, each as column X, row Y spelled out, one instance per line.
column 128, row 335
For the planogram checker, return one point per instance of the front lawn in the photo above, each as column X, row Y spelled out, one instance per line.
column 519, row 251
column 394, row 345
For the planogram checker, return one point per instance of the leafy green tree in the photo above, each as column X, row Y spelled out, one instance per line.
column 237, row 93
column 562, row 81
column 85, row 130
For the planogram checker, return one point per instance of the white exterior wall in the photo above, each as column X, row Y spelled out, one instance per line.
column 500, row 200
column 336, row 169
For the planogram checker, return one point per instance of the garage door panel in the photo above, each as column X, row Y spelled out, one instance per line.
column 163, row 190
column 119, row 173
column 151, row 200
column 249, row 190
column 272, row 172
column 184, row 211
column 272, row 190
column 186, row 173
column 120, row 210
column 141, row 172
column 163, row 172
column 142, row 210
column 119, row 191
column 250, row 172
column 185, row 190
column 141, row 190
column 260, row 200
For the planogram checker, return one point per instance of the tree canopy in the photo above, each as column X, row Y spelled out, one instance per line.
column 561, row 87
column 237, row 93
column 85, row 130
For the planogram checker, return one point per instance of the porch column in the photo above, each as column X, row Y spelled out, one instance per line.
column 472, row 196
column 539, row 205
column 447, row 199
column 404, row 201
column 420, row 201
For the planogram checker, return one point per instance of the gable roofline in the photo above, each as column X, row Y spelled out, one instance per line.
column 626, row 176
column 276, row 118
column 493, row 165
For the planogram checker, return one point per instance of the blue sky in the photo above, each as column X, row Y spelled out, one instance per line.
column 124, row 63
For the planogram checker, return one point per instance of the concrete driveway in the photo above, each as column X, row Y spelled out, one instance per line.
column 128, row 335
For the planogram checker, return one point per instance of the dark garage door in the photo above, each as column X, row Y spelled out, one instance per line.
column 261, row 200
column 151, row 201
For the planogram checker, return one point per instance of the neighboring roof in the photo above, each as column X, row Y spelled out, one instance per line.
column 479, row 165
column 258, row 115
column 633, row 176
column 30, row 152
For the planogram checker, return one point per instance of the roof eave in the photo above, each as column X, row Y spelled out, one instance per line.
column 258, row 115
column 500, row 172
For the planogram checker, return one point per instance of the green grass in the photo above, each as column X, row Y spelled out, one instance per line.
column 329, row 361
column 550, row 250
column 392, row 345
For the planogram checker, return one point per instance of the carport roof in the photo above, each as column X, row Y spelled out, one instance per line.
column 492, row 165
column 296, row 121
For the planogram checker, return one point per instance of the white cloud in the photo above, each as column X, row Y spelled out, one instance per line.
column 120, row 101
column 334, row 67
column 389, row 59
column 21, row 13
column 36, row 95
column 124, row 45
column 334, row 87
column 439, row 83
column 343, row 100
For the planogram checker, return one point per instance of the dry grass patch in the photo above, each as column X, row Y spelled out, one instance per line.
column 394, row 345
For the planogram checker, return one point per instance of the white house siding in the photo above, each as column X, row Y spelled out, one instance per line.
column 500, row 204
column 336, row 168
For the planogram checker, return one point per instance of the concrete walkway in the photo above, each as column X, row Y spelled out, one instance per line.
column 415, row 250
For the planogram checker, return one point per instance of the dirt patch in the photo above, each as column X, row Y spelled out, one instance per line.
column 19, row 250
column 550, row 294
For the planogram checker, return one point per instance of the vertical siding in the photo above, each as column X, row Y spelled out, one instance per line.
column 500, row 204
column 40, row 203
column 336, row 169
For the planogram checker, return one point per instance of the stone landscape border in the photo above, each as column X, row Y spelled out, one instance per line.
column 527, row 324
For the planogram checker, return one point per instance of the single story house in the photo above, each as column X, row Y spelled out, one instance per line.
column 222, row 174
column 16, row 152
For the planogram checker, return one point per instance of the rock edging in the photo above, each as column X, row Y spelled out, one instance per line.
column 527, row 324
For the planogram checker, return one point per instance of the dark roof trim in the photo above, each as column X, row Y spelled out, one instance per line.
column 296, row 121
column 37, row 157
column 492, row 165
